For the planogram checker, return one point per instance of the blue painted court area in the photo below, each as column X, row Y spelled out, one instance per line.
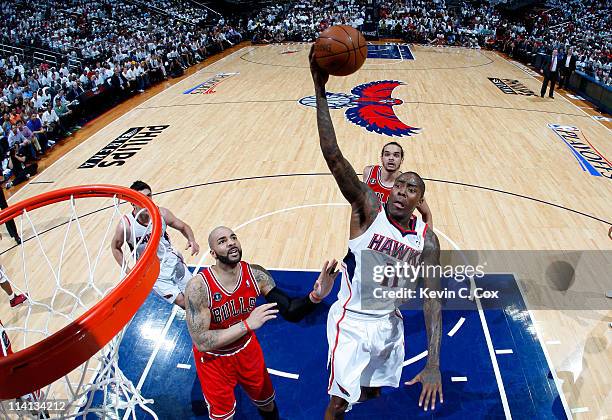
column 471, row 388
column 390, row 51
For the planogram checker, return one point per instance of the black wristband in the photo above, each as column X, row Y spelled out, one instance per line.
column 292, row 309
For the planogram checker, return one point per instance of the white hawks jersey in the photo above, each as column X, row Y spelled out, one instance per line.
column 384, row 242
column 139, row 237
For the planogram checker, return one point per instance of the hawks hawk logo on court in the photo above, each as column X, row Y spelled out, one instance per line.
column 370, row 106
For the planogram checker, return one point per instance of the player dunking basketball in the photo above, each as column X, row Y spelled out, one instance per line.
column 135, row 229
column 222, row 318
column 380, row 178
column 366, row 346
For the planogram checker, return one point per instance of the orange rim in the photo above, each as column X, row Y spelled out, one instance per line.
column 48, row 360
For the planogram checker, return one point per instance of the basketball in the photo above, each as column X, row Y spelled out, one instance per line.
column 340, row 50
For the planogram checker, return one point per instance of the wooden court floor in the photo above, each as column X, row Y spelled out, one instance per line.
column 245, row 154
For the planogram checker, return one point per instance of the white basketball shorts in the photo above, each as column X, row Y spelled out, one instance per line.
column 364, row 350
column 172, row 283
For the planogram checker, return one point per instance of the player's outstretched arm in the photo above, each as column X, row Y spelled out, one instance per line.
column 122, row 234
column 295, row 309
column 325, row 282
column 198, row 319
column 184, row 228
column 425, row 211
column 432, row 309
column 362, row 199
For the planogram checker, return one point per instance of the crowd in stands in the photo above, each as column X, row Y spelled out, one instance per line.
column 111, row 30
column 302, row 20
column 181, row 9
column 585, row 26
column 420, row 21
column 582, row 28
column 432, row 22
column 109, row 49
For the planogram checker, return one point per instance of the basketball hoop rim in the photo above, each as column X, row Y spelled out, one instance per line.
column 46, row 361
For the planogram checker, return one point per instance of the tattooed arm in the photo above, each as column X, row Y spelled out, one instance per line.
column 363, row 201
column 432, row 310
column 198, row 319
column 295, row 309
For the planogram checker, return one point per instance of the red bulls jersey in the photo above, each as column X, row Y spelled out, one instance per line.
column 376, row 185
column 229, row 307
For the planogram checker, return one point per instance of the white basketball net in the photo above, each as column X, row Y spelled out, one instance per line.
column 65, row 265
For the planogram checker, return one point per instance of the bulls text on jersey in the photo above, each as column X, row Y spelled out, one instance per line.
column 232, row 308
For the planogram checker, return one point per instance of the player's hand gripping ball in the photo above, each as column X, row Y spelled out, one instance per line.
column 340, row 50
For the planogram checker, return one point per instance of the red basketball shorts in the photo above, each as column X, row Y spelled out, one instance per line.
column 219, row 375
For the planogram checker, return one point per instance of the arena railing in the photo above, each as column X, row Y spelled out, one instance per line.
column 12, row 50
column 41, row 57
column 159, row 11
column 203, row 6
column 74, row 63
column 592, row 89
